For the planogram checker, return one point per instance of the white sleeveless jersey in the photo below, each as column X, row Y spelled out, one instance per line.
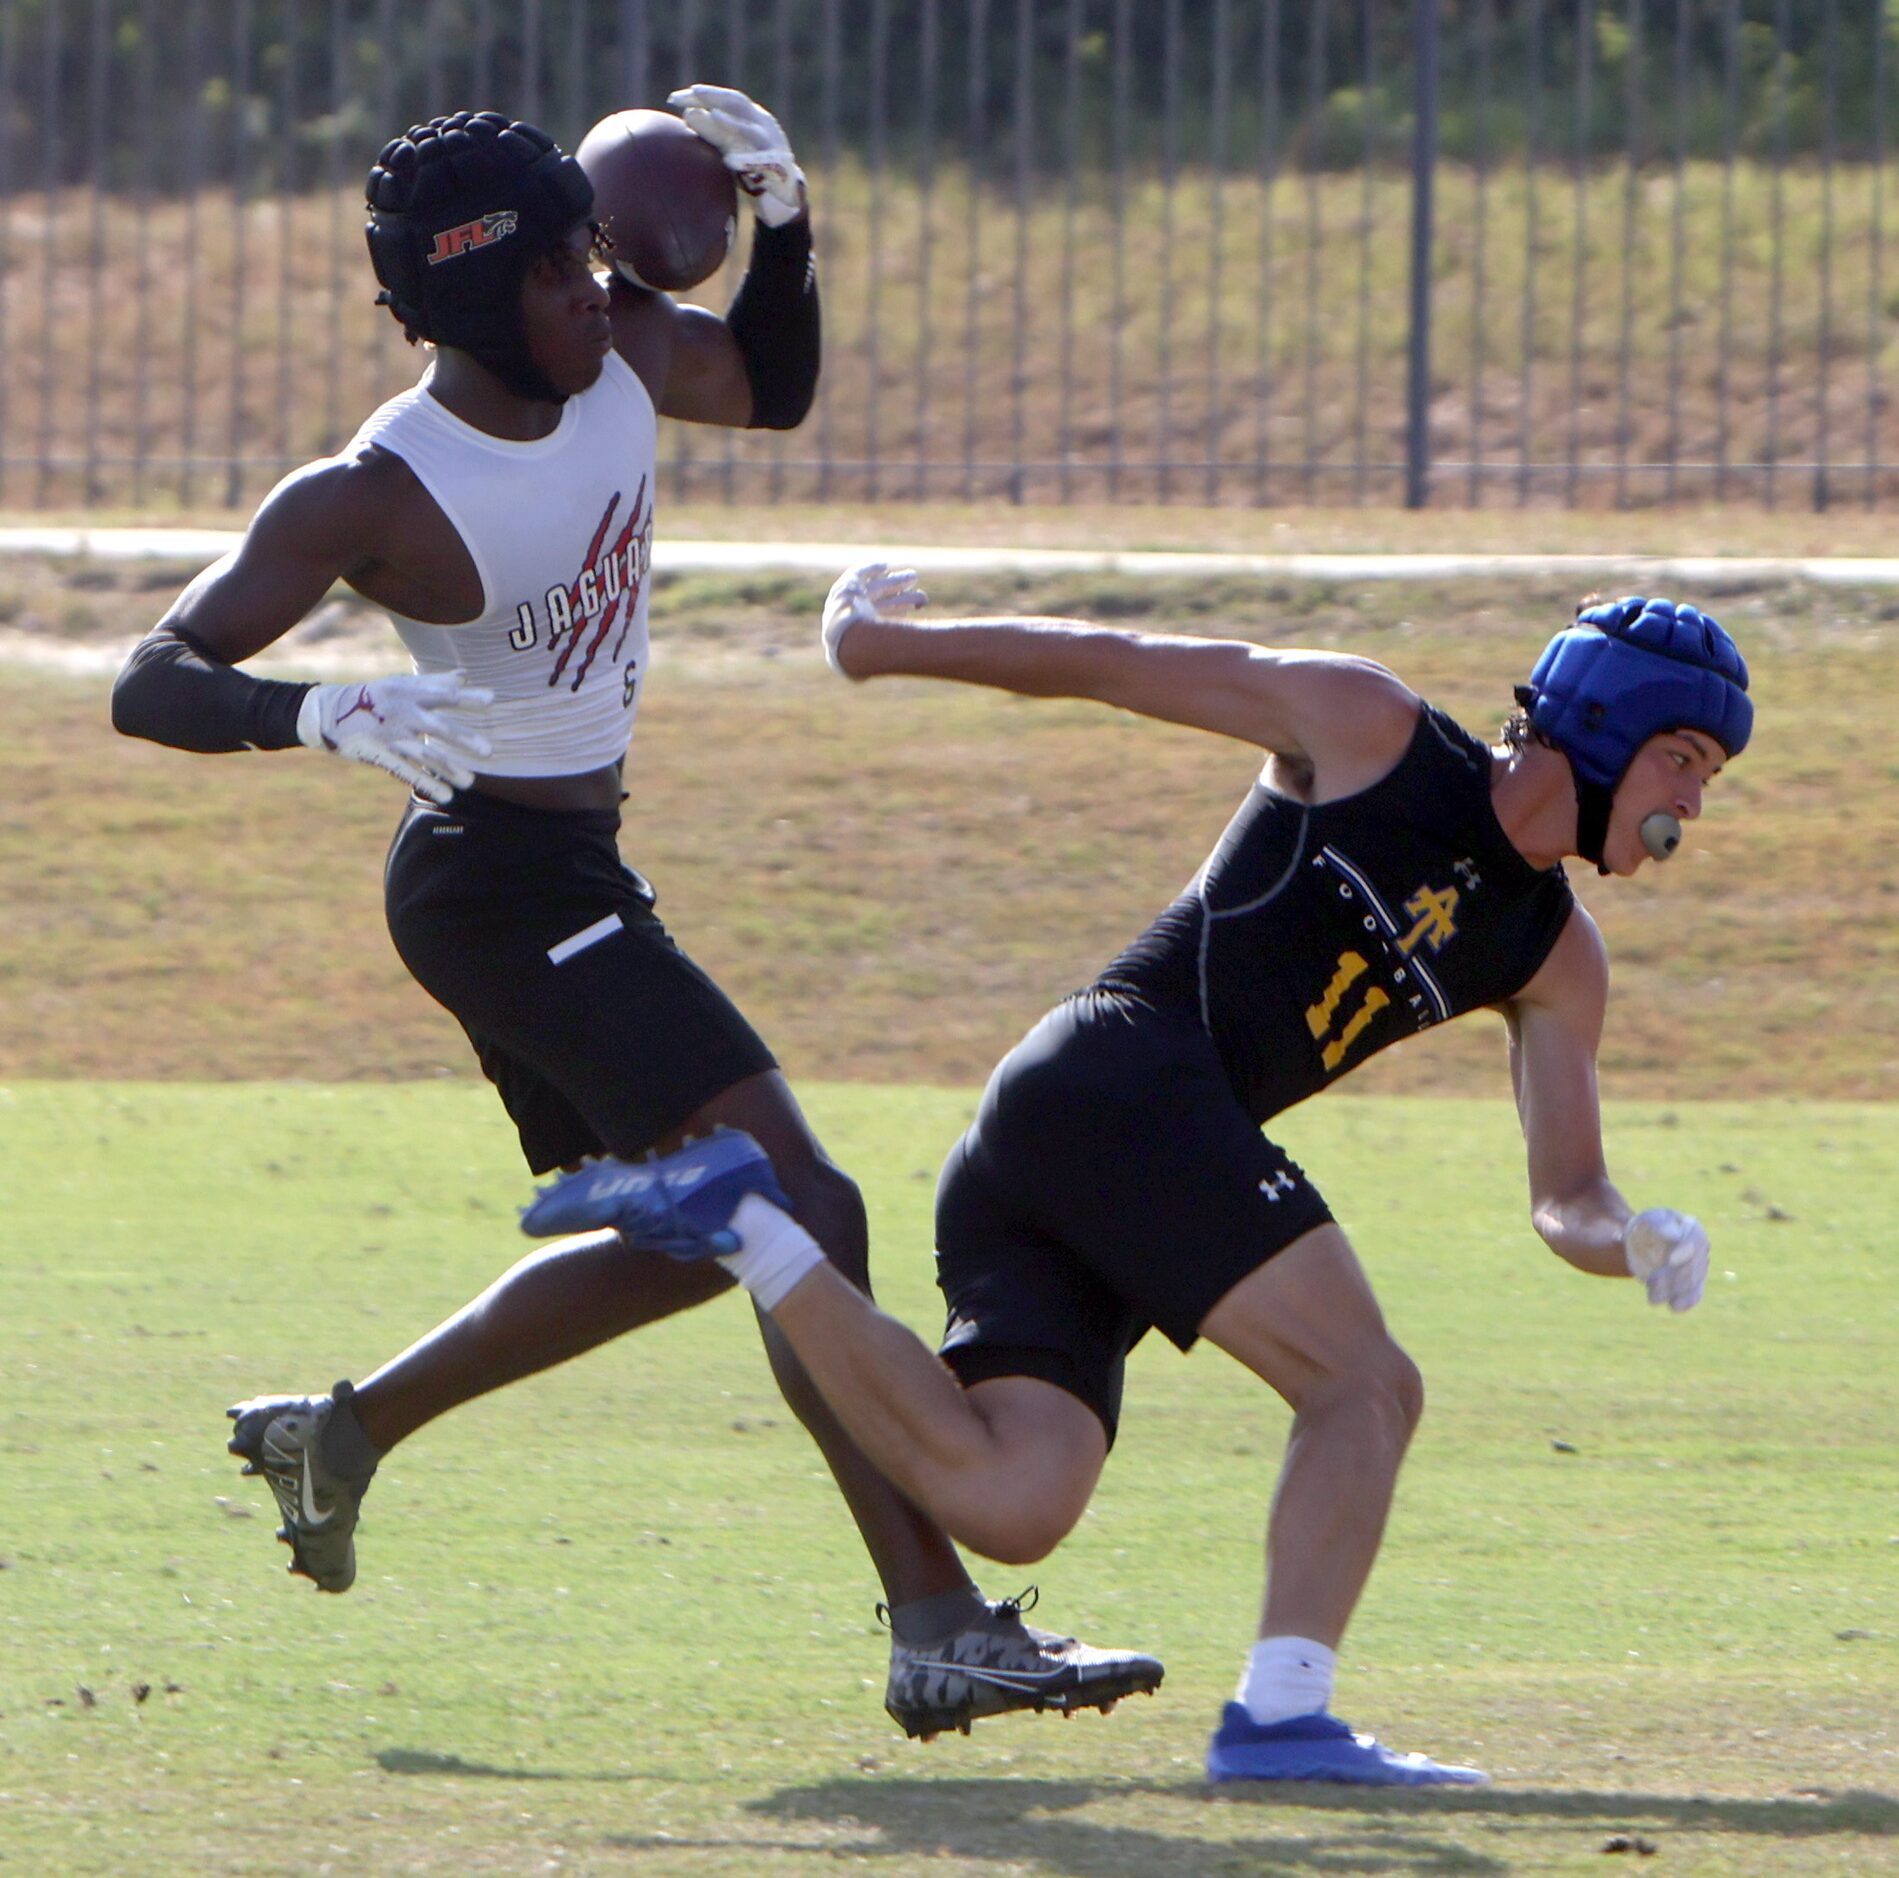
column 561, row 533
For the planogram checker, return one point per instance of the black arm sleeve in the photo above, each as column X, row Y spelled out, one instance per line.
column 774, row 318
column 174, row 691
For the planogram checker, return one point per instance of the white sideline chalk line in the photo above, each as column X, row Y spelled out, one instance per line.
column 1708, row 572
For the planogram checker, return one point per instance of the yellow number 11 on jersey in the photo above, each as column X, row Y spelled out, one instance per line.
column 1319, row 1016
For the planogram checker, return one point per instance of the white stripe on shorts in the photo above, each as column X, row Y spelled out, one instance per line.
column 585, row 937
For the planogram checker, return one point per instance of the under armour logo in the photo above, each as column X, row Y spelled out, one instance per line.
column 1466, row 871
column 1281, row 1182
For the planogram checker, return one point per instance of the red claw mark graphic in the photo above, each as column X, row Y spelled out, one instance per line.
column 622, row 606
column 587, row 567
column 640, row 523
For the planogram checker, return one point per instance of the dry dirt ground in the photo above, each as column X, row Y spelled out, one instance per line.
column 894, row 881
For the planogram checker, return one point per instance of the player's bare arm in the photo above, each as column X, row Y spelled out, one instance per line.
column 1337, row 723
column 364, row 520
column 1555, row 1031
column 685, row 356
column 756, row 368
column 353, row 520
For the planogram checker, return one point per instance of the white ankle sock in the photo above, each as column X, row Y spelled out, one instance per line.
column 774, row 1251
column 1286, row 1676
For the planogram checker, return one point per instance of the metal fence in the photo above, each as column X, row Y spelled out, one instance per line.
column 1465, row 252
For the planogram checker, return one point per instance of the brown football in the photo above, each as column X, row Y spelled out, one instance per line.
column 662, row 195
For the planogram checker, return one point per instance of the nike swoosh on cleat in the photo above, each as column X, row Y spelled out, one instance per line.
column 311, row 1517
column 1000, row 1678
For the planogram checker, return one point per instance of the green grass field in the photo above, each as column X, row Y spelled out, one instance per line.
column 613, row 1622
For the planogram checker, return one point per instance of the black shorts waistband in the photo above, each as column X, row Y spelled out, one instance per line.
column 493, row 811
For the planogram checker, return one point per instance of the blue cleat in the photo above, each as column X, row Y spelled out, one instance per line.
column 1319, row 1747
column 680, row 1203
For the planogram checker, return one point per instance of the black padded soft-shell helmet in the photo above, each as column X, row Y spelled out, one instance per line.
column 459, row 209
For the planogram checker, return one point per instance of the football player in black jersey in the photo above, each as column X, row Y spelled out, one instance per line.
column 1388, row 871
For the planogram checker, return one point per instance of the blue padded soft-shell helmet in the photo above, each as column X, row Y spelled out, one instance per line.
column 1624, row 672
column 1629, row 669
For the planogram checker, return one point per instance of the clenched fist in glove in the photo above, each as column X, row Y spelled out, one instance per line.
column 753, row 144
column 395, row 724
column 1668, row 1251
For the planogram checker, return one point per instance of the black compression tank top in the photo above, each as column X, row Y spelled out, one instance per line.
column 1314, row 937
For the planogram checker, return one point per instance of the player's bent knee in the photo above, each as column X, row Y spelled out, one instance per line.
column 1021, row 1533
column 1011, row 1546
column 1393, row 1386
column 1027, row 1484
column 1379, row 1385
column 1408, row 1388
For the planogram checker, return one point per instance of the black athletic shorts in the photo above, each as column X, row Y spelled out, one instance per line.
column 1110, row 1183
column 600, row 1034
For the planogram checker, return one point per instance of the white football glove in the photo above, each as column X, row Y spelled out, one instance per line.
column 753, row 144
column 868, row 592
column 1668, row 1251
column 393, row 723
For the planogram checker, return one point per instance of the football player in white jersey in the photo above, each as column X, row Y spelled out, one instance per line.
column 501, row 511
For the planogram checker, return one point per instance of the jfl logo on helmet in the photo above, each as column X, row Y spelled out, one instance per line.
column 451, row 242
